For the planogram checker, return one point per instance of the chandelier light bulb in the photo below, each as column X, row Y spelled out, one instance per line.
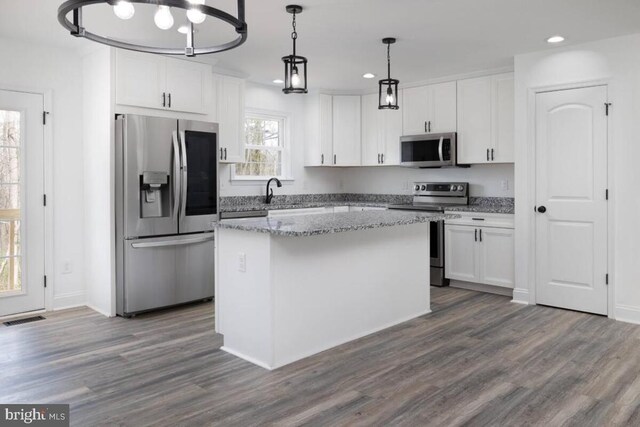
column 390, row 98
column 163, row 18
column 124, row 10
column 196, row 16
column 295, row 78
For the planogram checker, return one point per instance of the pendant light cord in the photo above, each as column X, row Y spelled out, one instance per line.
column 294, row 33
column 388, row 60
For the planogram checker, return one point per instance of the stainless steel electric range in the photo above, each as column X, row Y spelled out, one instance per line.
column 437, row 197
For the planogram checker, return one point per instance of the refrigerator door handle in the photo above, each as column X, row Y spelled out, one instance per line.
column 176, row 174
column 183, row 190
column 172, row 242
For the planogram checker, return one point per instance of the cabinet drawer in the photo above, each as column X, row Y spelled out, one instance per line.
column 481, row 219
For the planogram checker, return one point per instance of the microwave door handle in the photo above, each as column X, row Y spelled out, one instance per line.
column 176, row 173
column 183, row 190
column 440, row 144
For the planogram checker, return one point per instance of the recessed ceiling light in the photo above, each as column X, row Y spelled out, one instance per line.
column 278, row 81
column 368, row 75
column 555, row 39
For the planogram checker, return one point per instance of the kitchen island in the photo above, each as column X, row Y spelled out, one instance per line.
column 292, row 286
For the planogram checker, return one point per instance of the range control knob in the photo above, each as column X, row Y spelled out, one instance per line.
column 460, row 187
column 416, row 188
column 453, row 187
column 424, row 188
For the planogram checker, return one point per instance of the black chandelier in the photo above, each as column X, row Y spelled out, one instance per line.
column 388, row 88
column 295, row 81
column 197, row 12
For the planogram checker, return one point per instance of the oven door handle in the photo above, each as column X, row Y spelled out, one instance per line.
column 440, row 144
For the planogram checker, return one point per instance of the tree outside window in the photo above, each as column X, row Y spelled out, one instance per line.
column 264, row 148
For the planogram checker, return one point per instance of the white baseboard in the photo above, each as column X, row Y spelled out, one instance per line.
column 98, row 310
column 480, row 287
column 520, row 296
column 245, row 357
column 68, row 300
column 627, row 313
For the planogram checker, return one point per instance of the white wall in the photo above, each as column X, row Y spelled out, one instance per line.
column 616, row 61
column 37, row 68
column 485, row 180
column 305, row 180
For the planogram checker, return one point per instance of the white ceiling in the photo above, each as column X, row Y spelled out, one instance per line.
column 342, row 38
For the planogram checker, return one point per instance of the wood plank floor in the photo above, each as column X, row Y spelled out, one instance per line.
column 476, row 360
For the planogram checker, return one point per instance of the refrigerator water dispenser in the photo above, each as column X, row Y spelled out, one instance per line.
column 154, row 195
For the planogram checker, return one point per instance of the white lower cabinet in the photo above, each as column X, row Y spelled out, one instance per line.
column 478, row 254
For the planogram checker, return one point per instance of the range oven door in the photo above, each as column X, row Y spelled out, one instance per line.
column 428, row 151
column 199, row 192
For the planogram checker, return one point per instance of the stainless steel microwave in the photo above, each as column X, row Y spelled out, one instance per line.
column 434, row 150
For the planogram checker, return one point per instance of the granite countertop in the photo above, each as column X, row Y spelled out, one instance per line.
column 295, row 205
column 482, row 209
column 312, row 225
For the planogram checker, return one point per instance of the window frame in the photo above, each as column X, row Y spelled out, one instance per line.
column 285, row 149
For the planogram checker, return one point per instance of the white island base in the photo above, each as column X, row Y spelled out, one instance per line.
column 296, row 296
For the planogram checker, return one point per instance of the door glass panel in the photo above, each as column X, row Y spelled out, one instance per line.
column 10, row 254
column 202, row 193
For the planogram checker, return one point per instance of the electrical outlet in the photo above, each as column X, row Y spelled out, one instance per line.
column 67, row 267
column 504, row 185
column 242, row 262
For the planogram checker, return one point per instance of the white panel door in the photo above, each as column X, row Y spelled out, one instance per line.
column 346, row 131
column 21, row 207
column 497, row 253
column 442, row 114
column 461, row 253
column 415, row 110
column 474, row 120
column 187, row 86
column 140, row 79
column 571, row 180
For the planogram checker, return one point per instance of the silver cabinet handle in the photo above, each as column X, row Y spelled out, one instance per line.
column 164, row 99
column 335, row 159
column 425, row 127
column 492, row 154
column 476, row 234
column 176, row 242
column 221, row 158
column 322, row 159
column 429, row 124
column 481, row 234
column 378, row 158
column 487, row 154
column 382, row 158
column 225, row 154
column 169, row 99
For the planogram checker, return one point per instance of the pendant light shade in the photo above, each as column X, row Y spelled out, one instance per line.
column 388, row 88
column 295, row 66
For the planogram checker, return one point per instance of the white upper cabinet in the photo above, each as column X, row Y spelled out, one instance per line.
column 486, row 119
column 346, row 130
column 381, row 131
column 154, row 81
column 429, row 109
column 319, row 131
column 230, row 106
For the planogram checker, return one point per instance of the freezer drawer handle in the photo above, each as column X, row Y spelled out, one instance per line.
column 171, row 243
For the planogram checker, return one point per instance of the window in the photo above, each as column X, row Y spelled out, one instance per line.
column 265, row 153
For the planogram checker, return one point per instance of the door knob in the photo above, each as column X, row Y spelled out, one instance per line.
column 542, row 209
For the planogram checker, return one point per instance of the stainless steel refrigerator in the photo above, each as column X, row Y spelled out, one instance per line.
column 166, row 206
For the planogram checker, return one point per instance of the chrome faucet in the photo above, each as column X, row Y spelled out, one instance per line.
column 270, row 191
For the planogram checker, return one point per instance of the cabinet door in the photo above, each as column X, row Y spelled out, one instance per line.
column 415, row 110
column 497, row 257
column 390, row 135
column 318, row 144
column 140, row 79
column 187, row 86
column 474, row 120
column 503, row 106
column 326, row 129
column 442, row 115
column 461, row 253
column 346, row 130
column 231, row 119
column 371, row 130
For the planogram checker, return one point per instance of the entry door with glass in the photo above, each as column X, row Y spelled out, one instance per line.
column 21, row 203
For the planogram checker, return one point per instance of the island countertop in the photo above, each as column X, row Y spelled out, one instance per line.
column 317, row 224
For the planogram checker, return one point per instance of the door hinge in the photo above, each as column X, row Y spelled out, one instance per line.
column 606, row 107
column 606, row 279
column 606, row 194
column 44, row 117
column 44, row 200
column 45, row 281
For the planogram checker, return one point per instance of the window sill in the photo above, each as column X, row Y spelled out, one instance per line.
column 258, row 180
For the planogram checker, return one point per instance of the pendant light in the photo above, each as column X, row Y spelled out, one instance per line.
column 295, row 67
column 388, row 88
